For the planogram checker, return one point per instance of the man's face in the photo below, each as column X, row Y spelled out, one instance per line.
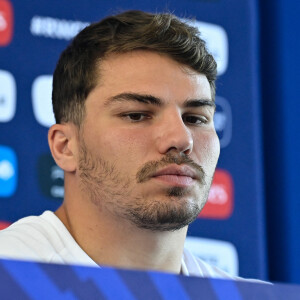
column 148, row 147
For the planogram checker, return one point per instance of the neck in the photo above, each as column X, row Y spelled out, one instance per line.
column 116, row 242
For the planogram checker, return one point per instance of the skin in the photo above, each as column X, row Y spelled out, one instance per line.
column 121, row 139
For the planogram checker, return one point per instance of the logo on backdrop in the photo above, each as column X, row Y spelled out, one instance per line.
column 215, row 252
column 7, row 96
column 4, row 224
column 6, row 22
column 55, row 28
column 223, row 121
column 51, row 177
column 41, row 100
column 220, row 199
column 8, row 171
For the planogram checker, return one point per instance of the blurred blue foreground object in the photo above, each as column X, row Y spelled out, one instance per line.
column 28, row 280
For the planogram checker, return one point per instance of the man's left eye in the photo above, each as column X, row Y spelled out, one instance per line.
column 194, row 120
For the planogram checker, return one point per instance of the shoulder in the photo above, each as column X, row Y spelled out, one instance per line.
column 31, row 238
column 42, row 238
column 194, row 266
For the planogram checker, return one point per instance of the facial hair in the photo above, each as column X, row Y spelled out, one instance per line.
column 110, row 190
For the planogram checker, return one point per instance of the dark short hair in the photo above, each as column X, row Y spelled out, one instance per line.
column 76, row 72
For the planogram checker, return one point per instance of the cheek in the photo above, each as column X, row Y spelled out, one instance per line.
column 126, row 144
column 207, row 149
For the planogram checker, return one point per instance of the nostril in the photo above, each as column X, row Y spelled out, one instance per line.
column 188, row 151
column 172, row 148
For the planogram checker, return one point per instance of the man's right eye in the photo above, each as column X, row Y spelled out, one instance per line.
column 136, row 117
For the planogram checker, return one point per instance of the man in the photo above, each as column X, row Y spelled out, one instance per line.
column 133, row 97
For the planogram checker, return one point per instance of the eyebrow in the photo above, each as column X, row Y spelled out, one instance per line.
column 199, row 102
column 150, row 99
column 147, row 99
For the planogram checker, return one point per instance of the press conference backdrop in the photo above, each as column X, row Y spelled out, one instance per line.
column 230, row 232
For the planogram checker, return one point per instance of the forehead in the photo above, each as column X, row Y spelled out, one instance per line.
column 150, row 73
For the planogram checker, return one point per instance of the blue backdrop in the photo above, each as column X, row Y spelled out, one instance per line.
column 281, row 89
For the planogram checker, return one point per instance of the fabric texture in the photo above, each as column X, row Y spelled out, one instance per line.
column 44, row 238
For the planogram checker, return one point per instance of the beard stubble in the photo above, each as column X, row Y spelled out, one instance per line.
column 110, row 190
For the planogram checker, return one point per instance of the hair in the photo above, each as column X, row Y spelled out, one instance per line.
column 77, row 73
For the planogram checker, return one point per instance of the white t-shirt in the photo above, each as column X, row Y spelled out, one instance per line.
column 44, row 238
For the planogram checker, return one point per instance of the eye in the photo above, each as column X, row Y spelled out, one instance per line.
column 194, row 120
column 136, row 117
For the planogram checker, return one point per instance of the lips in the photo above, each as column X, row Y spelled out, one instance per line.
column 172, row 165
column 182, row 176
column 177, row 171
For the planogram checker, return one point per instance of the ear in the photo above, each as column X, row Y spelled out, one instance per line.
column 63, row 145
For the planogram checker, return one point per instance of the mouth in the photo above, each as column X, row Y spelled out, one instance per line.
column 174, row 175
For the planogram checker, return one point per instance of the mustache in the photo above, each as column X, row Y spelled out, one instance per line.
column 150, row 168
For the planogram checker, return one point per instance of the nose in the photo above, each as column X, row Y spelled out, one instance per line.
column 173, row 134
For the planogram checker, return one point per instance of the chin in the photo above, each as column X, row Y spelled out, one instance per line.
column 162, row 215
